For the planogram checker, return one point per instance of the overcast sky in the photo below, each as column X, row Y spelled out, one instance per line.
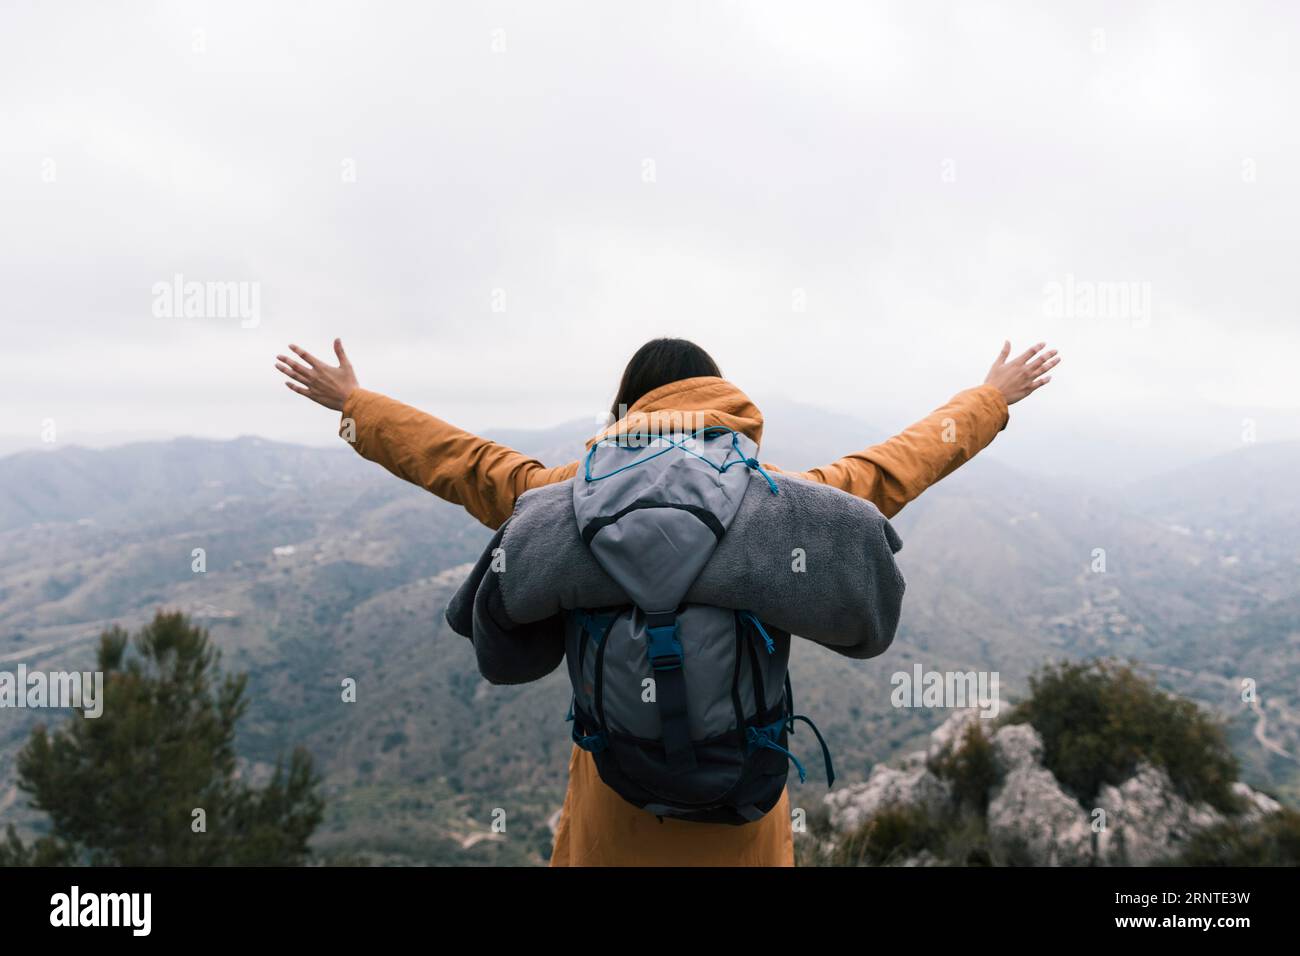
column 851, row 205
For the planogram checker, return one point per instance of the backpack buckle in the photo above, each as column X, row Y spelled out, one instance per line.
column 664, row 650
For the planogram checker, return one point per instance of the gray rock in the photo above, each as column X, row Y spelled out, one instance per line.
column 1146, row 820
column 949, row 734
column 1256, row 804
column 913, row 761
column 924, row 858
column 1032, row 820
column 1015, row 746
column 854, row 805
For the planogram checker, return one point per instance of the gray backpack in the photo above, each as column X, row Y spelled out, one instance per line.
column 686, row 709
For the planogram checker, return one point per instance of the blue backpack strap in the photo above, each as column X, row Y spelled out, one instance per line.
column 762, row 631
column 592, row 743
column 596, row 625
column 767, row 736
column 666, row 660
column 759, row 737
column 826, row 751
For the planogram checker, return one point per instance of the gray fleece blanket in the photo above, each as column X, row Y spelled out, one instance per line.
column 812, row 561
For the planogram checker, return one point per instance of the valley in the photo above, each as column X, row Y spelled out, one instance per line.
column 321, row 567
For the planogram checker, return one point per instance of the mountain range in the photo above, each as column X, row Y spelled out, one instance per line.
column 319, row 566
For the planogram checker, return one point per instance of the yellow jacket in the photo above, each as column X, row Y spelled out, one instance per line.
column 597, row 827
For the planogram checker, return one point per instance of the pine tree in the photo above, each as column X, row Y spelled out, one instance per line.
column 153, row 781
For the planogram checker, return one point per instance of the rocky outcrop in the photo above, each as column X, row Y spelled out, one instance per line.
column 1033, row 822
column 1146, row 821
column 1254, row 803
column 1016, row 746
column 949, row 734
column 854, row 805
column 1031, row 819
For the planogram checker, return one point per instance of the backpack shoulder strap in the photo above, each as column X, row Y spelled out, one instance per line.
column 665, row 653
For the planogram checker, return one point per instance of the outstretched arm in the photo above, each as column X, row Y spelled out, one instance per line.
column 483, row 477
column 896, row 471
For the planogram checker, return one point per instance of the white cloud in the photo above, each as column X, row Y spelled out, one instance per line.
column 918, row 172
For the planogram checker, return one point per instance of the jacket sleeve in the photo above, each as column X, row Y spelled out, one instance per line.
column 481, row 476
column 891, row 474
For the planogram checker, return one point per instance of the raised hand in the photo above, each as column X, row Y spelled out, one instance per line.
column 1023, row 374
column 324, row 384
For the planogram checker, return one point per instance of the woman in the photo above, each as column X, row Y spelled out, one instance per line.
column 666, row 380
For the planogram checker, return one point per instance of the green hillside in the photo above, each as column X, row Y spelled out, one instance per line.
column 321, row 567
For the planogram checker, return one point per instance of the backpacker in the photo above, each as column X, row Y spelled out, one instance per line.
column 685, row 708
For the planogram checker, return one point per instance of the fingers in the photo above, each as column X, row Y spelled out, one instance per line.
column 306, row 356
column 1029, row 353
column 1039, row 383
column 1002, row 356
column 342, row 356
column 293, row 373
column 300, row 369
column 298, row 388
column 1038, row 365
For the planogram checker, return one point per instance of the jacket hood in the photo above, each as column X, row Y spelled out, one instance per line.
column 687, row 405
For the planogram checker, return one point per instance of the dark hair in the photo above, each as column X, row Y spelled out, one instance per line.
column 661, row 362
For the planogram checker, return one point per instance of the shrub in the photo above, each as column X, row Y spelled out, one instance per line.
column 970, row 769
column 1099, row 719
column 1272, row 841
column 966, row 841
column 890, row 836
column 125, row 788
